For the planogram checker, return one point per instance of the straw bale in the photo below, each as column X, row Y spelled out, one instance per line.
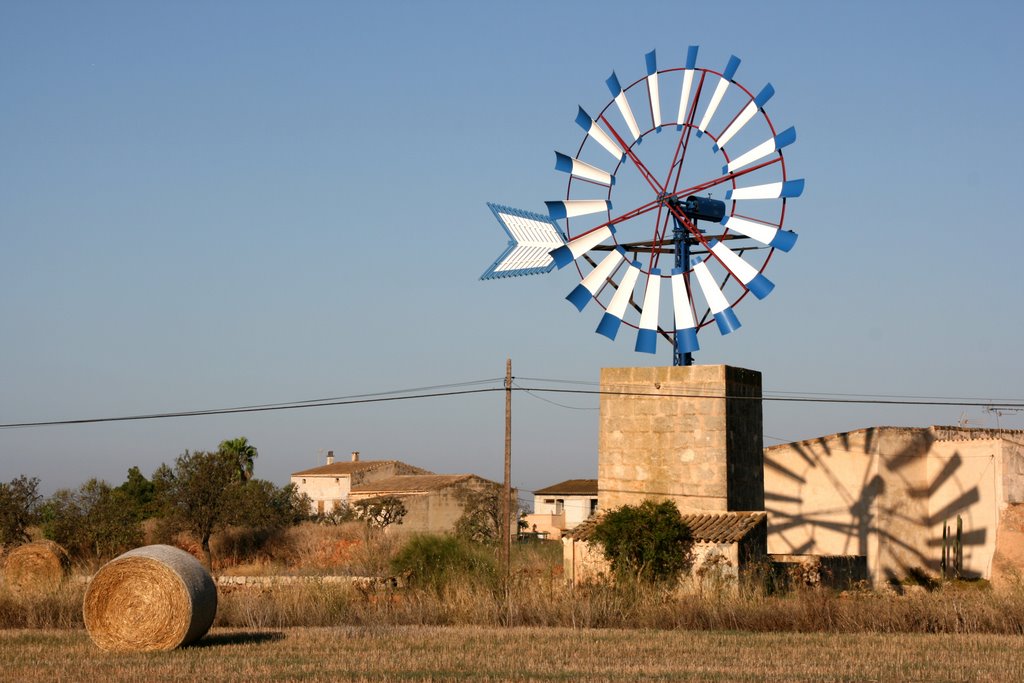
column 36, row 568
column 152, row 598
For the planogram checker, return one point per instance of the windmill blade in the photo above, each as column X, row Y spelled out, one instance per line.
column 587, row 289
column 623, row 104
column 581, row 169
column 744, row 116
column 720, row 89
column 782, row 240
column 531, row 239
column 571, row 208
column 719, row 305
column 576, row 247
column 613, row 315
column 684, row 95
column 686, row 325
column 789, row 188
column 769, row 146
column 652, row 88
column 755, row 282
column 647, row 335
column 595, row 131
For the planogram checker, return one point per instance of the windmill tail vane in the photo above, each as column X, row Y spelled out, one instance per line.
column 709, row 253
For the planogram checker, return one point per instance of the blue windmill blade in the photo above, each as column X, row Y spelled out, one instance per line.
column 717, row 303
column 779, row 190
column 647, row 333
column 653, row 96
column 532, row 237
column 744, row 117
column 720, row 89
column 616, row 311
column 756, row 283
column 684, row 94
column 769, row 146
column 682, row 309
column 623, row 104
column 782, row 240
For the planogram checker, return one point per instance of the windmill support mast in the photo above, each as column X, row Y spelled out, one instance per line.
column 682, row 240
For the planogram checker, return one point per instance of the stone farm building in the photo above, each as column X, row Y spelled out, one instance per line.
column 329, row 485
column 433, row 502
column 725, row 544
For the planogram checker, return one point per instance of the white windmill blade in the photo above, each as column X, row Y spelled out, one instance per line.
column 754, row 281
column 719, row 305
column 720, row 89
column 577, row 246
column 623, row 104
column 769, row 146
column 532, row 237
column 788, row 188
column 647, row 335
column 686, row 324
column 581, row 169
column 571, row 208
column 782, row 240
column 587, row 289
column 684, row 95
column 595, row 131
column 744, row 116
column 616, row 310
column 652, row 89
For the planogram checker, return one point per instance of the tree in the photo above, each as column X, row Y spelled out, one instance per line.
column 481, row 514
column 95, row 520
column 140, row 493
column 243, row 452
column 19, row 506
column 260, row 504
column 195, row 493
column 380, row 512
column 648, row 542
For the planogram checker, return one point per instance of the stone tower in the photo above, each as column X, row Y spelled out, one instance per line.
column 692, row 435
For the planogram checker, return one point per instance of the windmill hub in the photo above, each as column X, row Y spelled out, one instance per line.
column 700, row 208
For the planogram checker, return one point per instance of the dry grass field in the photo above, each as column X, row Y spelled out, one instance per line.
column 470, row 653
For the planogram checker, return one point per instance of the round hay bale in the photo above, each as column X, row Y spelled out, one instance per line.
column 36, row 568
column 152, row 598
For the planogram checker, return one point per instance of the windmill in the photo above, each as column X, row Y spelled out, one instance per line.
column 705, row 201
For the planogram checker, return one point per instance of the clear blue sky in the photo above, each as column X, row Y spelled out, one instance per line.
column 206, row 205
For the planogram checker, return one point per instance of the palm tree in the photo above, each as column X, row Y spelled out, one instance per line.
column 244, row 452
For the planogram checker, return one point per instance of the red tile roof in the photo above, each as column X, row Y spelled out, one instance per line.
column 348, row 467
column 716, row 527
column 411, row 483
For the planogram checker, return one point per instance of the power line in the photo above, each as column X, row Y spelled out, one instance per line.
column 462, row 388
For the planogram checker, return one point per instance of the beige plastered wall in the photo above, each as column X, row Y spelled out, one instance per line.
column 886, row 493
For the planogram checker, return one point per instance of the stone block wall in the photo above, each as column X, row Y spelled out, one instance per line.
column 688, row 434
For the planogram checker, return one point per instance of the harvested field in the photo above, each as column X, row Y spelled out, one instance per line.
column 521, row 654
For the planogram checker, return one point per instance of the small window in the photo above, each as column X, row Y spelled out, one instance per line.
column 303, row 481
column 559, row 506
column 549, row 501
column 593, row 506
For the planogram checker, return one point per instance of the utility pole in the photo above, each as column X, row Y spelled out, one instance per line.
column 506, row 499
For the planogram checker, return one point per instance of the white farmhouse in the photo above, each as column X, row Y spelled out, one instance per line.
column 330, row 485
column 560, row 507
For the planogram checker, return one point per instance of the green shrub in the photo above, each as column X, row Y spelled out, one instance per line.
column 647, row 542
column 436, row 561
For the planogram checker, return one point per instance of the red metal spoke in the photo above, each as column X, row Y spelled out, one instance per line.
column 647, row 175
